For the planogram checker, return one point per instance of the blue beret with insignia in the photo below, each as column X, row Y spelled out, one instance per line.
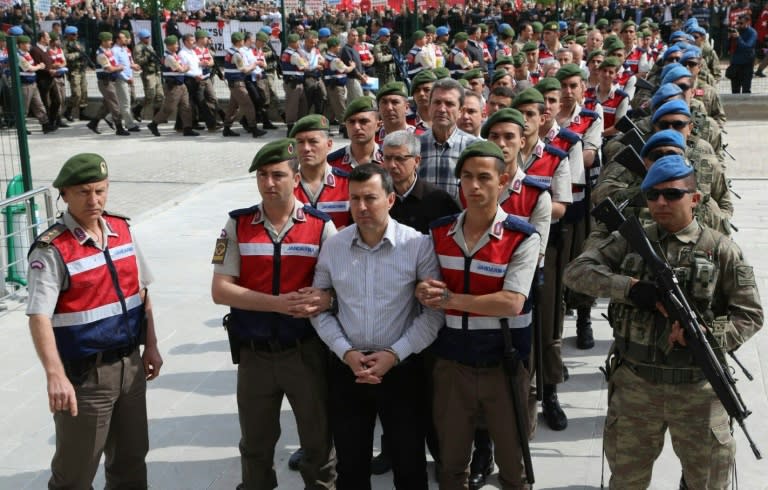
column 670, row 167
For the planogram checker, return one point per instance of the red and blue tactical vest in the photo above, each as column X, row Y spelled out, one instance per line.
column 333, row 199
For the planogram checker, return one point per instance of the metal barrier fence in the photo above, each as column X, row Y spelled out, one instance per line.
column 23, row 218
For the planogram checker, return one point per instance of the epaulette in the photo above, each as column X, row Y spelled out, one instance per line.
column 569, row 136
column 555, row 151
column 516, row 224
column 621, row 93
column 243, row 211
column 443, row 221
column 336, row 154
column 340, row 172
column 317, row 214
column 527, row 180
column 46, row 238
column 116, row 215
column 588, row 113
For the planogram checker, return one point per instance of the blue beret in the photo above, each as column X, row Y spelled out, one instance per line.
column 383, row 32
column 671, row 107
column 503, row 27
column 690, row 53
column 670, row 50
column 143, row 34
column 666, row 69
column 323, row 32
column 563, row 25
column 677, row 35
column 266, row 29
column 442, row 31
column 675, row 73
column 16, row 31
column 70, row 30
column 667, row 137
column 670, row 167
column 698, row 30
column 664, row 92
column 690, row 23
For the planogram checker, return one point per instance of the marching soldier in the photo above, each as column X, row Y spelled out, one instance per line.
column 106, row 74
column 76, row 58
column 235, row 72
column 176, row 95
column 145, row 56
column 28, row 75
column 458, row 60
column 294, row 65
column 266, row 60
column 385, row 63
column 335, row 79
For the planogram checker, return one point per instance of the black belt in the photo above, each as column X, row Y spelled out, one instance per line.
column 275, row 345
column 665, row 375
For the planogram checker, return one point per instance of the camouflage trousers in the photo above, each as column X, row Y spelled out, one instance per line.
column 640, row 413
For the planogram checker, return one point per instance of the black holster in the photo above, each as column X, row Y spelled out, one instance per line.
column 234, row 342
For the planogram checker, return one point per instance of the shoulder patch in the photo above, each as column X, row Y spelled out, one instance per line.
column 745, row 276
column 535, row 183
column 47, row 237
column 569, row 136
column 555, row 151
column 243, row 211
column 317, row 214
column 621, row 93
column 588, row 113
column 445, row 220
column 339, row 172
column 516, row 224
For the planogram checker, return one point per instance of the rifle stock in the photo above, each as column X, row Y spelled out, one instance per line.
column 680, row 310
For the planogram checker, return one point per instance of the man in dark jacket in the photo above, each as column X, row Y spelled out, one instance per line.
column 743, row 58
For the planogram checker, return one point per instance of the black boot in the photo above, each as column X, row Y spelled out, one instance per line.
column 110, row 124
column 93, row 125
column 295, row 460
column 266, row 123
column 228, row 132
column 256, row 132
column 61, row 124
column 120, row 131
column 49, row 128
column 382, row 463
column 244, row 124
column 482, row 460
column 136, row 112
column 68, row 115
column 152, row 127
column 584, row 337
column 553, row 414
column 190, row 132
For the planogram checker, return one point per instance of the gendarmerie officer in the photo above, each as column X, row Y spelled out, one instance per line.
column 264, row 263
column 88, row 312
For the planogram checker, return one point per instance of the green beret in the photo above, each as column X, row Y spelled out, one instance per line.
column 612, row 43
column 313, row 122
column 610, row 62
column 262, row 36
column 483, row 27
column 552, row 26
column 126, row 33
column 201, row 34
column 84, row 168
column 537, row 26
column 360, row 104
column 499, row 74
column 276, row 151
column 654, row 26
column 55, row 36
column 569, row 38
column 530, row 46
column 644, row 33
column 23, row 39
column 293, row 38
column 627, row 25
column 312, row 34
column 602, row 23
column 528, row 96
column 430, row 29
column 518, row 59
column 2, row 36
column 422, row 77
column 333, row 42
column 461, row 36
column 173, row 40
column 392, row 88
column 472, row 74
column 503, row 61
column 547, row 85
column 237, row 36
column 593, row 53
column 502, row 115
column 478, row 149
column 581, row 40
column 419, row 35
column 569, row 70
column 441, row 72
column 463, row 82
column 509, row 32
column 105, row 36
column 361, row 31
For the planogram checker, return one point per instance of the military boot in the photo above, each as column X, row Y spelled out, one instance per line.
column 228, row 133
column 120, row 130
column 152, row 127
column 553, row 414
column 482, row 460
column 266, row 123
column 584, row 337
column 93, row 125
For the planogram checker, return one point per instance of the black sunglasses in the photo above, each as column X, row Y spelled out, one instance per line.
column 691, row 64
column 670, row 194
column 654, row 155
column 677, row 125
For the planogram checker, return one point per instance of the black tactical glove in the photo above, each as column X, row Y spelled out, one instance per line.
column 644, row 295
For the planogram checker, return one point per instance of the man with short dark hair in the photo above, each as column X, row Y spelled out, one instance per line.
column 374, row 265
column 743, row 58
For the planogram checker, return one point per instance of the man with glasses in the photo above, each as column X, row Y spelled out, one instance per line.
column 649, row 366
column 711, row 60
column 702, row 91
column 743, row 58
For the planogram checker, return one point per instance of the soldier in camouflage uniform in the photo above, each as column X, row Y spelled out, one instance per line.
column 702, row 90
column 654, row 383
column 75, row 55
column 144, row 55
column 383, row 59
column 271, row 71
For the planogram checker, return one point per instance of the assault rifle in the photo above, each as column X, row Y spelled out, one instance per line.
column 680, row 310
